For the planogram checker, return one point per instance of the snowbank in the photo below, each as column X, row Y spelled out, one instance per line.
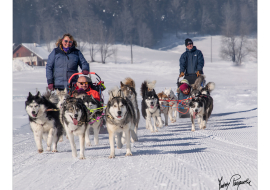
column 18, row 65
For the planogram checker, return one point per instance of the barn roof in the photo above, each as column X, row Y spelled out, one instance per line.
column 37, row 49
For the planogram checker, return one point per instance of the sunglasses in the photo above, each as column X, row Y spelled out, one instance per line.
column 190, row 44
column 82, row 83
column 66, row 41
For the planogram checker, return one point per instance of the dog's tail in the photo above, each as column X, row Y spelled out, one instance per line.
column 129, row 82
column 144, row 89
column 151, row 85
column 210, row 86
column 198, row 82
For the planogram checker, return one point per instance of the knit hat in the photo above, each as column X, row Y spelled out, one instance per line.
column 188, row 41
column 184, row 87
column 184, row 81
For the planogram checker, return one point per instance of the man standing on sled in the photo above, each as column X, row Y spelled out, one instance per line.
column 191, row 62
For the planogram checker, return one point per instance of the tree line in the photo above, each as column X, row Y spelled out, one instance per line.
column 140, row 22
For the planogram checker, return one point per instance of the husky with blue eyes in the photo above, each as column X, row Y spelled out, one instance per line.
column 150, row 105
column 44, row 121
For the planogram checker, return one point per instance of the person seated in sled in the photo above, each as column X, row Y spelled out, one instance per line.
column 82, row 83
column 184, row 92
column 191, row 62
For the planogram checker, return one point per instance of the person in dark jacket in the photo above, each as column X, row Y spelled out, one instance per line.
column 63, row 61
column 191, row 62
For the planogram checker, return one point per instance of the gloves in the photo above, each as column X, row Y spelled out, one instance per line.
column 182, row 74
column 50, row 86
column 198, row 73
column 85, row 72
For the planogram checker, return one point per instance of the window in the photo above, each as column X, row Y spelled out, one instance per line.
column 17, row 54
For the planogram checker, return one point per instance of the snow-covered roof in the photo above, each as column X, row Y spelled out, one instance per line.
column 37, row 49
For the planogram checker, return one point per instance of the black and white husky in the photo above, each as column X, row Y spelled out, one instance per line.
column 200, row 107
column 150, row 105
column 75, row 119
column 172, row 104
column 129, row 91
column 95, row 116
column 44, row 121
column 120, row 117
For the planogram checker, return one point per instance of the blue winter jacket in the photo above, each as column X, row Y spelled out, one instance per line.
column 60, row 66
column 191, row 61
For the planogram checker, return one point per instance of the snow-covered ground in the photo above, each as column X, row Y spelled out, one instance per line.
column 172, row 158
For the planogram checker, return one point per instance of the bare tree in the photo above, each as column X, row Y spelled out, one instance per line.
column 252, row 48
column 145, row 35
column 126, row 23
column 106, row 42
column 206, row 22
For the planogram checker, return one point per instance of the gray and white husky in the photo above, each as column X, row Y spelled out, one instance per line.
column 95, row 116
column 120, row 117
column 44, row 121
column 172, row 104
column 129, row 91
column 62, row 96
column 75, row 119
column 197, row 89
column 150, row 105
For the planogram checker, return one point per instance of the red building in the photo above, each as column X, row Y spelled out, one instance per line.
column 31, row 53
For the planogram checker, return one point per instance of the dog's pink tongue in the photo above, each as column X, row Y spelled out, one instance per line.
column 75, row 121
column 194, row 115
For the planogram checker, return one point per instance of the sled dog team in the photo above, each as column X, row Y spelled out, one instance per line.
column 53, row 115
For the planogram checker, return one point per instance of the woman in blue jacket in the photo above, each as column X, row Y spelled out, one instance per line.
column 63, row 62
column 191, row 62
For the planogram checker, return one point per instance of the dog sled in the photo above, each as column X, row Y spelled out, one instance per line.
column 183, row 104
column 98, row 86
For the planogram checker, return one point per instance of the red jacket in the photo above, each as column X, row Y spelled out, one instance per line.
column 90, row 91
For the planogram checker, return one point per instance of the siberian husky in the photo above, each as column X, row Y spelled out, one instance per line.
column 164, row 107
column 128, row 89
column 95, row 116
column 201, row 107
column 44, row 121
column 197, row 89
column 62, row 96
column 75, row 118
column 172, row 104
column 120, row 117
column 150, row 105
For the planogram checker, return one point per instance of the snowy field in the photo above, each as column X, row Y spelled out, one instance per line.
column 172, row 158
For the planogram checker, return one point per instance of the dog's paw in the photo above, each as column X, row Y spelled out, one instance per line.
column 112, row 156
column 128, row 154
column 61, row 139
column 40, row 150
column 156, row 130
column 48, row 149
column 88, row 144
column 166, row 125
column 74, row 155
column 54, row 150
column 203, row 127
column 192, row 130
column 82, row 158
column 134, row 140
